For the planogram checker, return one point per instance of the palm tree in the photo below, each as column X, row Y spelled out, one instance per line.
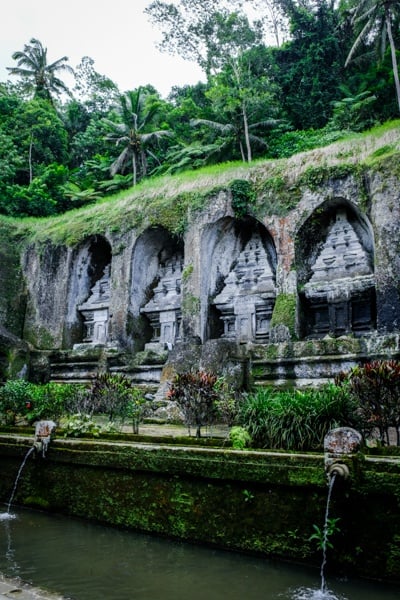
column 375, row 17
column 137, row 112
column 39, row 75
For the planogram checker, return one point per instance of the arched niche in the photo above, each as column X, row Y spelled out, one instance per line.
column 155, row 296
column 335, row 266
column 238, row 280
column 89, row 292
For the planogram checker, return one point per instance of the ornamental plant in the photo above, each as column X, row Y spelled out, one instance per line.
column 376, row 387
column 110, row 393
column 296, row 419
column 195, row 393
column 15, row 399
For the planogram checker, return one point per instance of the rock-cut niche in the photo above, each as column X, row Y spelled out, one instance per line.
column 156, row 290
column 90, row 292
column 338, row 291
column 242, row 281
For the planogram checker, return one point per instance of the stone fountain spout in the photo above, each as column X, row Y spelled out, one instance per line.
column 339, row 445
column 44, row 432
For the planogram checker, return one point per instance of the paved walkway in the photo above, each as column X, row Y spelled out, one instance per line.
column 11, row 589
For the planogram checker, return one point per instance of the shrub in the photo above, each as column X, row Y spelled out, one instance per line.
column 228, row 402
column 15, row 399
column 376, row 388
column 49, row 401
column 110, row 394
column 239, row 437
column 195, row 393
column 80, row 424
column 296, row 419
column 135, row 408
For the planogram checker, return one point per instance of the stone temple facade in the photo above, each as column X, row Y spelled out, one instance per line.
column 258, row 298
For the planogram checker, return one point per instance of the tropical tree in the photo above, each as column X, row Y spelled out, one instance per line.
column 309, row 68
column 242, row 98
column 137, row 116
column 96, row 92
column 374, row 19
column 38, row 75
column 197, row 32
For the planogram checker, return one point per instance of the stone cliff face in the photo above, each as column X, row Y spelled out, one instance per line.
column 292, row 297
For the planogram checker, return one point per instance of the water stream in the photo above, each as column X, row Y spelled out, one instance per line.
column 27, row 455
column 85, row 561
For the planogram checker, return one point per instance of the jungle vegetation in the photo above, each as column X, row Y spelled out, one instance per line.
column 302, row 75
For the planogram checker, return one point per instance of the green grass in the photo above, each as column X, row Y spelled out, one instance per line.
column 166, row 200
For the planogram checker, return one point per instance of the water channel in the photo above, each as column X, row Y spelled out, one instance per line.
column 86, row 561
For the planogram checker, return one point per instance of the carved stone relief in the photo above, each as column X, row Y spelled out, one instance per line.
column 246, row 301
column 95, row 311
column 164, row 309
column 341, row 289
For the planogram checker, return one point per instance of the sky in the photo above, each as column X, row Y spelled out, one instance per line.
column 114, row 33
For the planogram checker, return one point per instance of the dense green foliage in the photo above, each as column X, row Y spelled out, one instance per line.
column 61, row 148
column 112, row 395
column 296, row 419
column 31, row 402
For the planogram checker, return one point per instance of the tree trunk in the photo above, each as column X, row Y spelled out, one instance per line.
column 134, row 169
column 394, row 59
column 246, row 133
column 30, row 159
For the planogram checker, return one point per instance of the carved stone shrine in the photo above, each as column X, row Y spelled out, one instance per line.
column 95, row 311
column 164, row 308
column 248, row 296
column 341, row 289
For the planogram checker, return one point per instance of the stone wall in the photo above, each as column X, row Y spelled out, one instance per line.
column 257, row 283
column 250, row 501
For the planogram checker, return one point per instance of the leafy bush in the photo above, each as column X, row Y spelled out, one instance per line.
column 195, row 393
column 110, row 394
column 239, row 437
column 135, row 408
column 292, row 142
column 376, row 388
column 227, row 402
column 15, row 399
column 80, row 424
column 49, row 401
column 296, row 419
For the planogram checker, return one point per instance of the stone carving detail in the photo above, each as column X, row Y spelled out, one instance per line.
column 248, row 296
column 95, row 310
column 164, row 309
column 341, row 288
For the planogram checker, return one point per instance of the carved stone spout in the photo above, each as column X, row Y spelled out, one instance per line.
column 44, row 431
column 338, row 444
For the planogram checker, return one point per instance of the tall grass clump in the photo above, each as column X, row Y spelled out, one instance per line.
column 296, row 419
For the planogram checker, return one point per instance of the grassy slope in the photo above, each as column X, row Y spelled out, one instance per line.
column 165, row 200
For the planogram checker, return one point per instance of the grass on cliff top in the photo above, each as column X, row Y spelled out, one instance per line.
column 165, row 200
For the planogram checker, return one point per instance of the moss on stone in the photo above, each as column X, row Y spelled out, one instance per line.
column 284, row 312
column 190, row 305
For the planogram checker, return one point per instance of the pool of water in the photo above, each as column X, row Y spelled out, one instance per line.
column 85, row 561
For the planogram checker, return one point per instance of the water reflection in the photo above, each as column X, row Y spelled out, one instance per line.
column 84, row 561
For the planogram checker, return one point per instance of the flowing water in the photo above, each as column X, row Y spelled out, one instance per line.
column 27, row 455
column 85, row 561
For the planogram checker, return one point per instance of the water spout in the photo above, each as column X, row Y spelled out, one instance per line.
column 338, row 469
column 44, row 431
column 339, row 445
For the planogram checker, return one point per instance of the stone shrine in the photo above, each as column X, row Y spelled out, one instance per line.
column 247, row 299
column 341, row 289
column 95, row 311
column 164, row 309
